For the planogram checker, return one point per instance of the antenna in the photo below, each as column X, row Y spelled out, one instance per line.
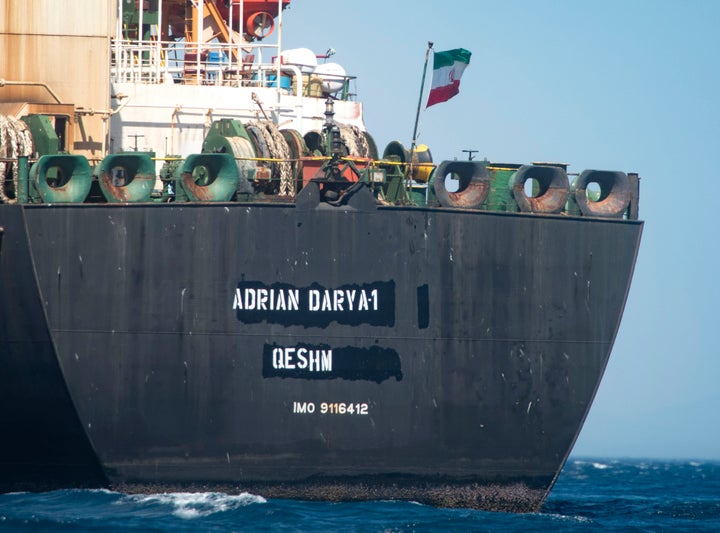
column 136, row 136
column 470, row 154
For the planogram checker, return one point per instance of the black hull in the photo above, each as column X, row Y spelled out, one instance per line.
column 469, row 370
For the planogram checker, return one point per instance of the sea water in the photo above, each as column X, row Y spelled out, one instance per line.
column 590, row 495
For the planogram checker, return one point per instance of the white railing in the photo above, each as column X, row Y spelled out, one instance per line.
column 185, row 62
column 220, row 64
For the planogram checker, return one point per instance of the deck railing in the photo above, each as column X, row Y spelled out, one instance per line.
column 219, row 64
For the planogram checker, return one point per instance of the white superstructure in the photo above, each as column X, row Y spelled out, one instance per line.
column 168, row 85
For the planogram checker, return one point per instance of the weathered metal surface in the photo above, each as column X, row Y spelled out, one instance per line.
column 469, row 370
column 615, row 193
column 61, row 178
column 128, row 177
column 473, row 188
column 209, row 177
column 43, row 443
column 123, row 193
column 553, row 189
column 72, row 66
column 634, row 208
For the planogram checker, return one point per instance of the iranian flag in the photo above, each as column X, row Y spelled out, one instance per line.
column 448, row 68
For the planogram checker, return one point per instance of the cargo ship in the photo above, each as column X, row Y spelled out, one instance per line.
column 211, row 279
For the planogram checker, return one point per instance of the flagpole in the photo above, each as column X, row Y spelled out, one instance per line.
column 409, row 168
column 422, row 86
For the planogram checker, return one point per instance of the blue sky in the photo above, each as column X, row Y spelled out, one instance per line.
column 620, row 85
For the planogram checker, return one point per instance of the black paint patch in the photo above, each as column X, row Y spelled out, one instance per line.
column 316, row 306
column 304, row 361
column 423, row 306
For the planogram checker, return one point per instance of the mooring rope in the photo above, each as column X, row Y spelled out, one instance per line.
column 355, row 141
column 15, row 141
column 277, row 148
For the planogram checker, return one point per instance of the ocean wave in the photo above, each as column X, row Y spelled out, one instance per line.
column 577, row 519
column 590, row 495
column 191, row 505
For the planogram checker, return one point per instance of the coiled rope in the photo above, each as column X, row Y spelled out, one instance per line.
column 244, row 159
column 15, row 141
column 355, row 141
column 274, row 146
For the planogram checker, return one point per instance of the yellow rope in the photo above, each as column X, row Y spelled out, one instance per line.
column 490, row 167
column 370, row 162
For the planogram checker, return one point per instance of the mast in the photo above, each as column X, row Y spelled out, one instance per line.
column 422, row 87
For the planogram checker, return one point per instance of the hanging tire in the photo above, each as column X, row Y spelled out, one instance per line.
column 614, row 197
column 473, row 184
column 553, row 188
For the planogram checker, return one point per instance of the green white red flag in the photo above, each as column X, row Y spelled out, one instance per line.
column 448, row 68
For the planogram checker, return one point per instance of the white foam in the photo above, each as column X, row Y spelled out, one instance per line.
column 600, row 466
column 96, row 491
column 191, row 505
column 567, row 518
